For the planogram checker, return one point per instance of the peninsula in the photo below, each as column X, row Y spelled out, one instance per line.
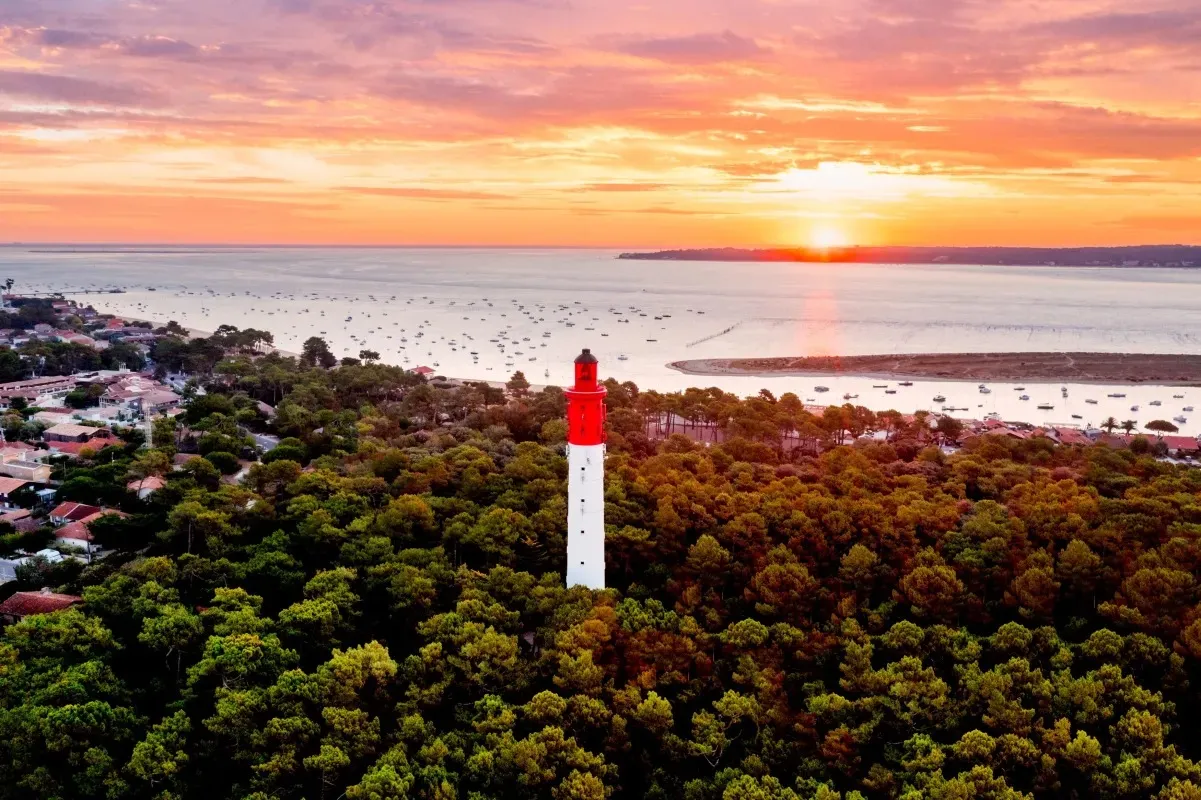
column 1169, row 255
column 1170, row 369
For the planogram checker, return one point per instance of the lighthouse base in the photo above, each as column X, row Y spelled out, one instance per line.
column 586, row 515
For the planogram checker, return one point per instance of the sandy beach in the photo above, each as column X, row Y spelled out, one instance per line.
column 1168, row 369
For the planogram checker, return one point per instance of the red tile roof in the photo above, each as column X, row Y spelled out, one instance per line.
column 74, row 530
column 10, row 485
column 22, row 604
column 80, row 530
column 75, row 448
column 152, row 484
column 1187, row 443
column 74, row 511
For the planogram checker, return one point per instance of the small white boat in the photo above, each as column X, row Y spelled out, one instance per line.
column 623, row 357
column 1155, row 403
column 938, row 398
column 1045, row 406
column 1187, row 408
column 1134, row 408
column 1180, row 418
column 821, row 388
column 1024, row 397
column 985, row 390
column 1091, row 402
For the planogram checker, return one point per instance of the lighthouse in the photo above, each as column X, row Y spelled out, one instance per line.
column 586, row 476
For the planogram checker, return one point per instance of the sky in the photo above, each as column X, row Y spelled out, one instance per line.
column 601, row 122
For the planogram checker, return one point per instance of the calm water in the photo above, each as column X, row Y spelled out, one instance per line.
column 461, row 300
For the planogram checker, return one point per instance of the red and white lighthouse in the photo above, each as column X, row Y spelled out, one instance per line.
column 586, row 478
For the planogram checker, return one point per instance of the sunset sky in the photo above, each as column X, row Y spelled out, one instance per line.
column 601, row 122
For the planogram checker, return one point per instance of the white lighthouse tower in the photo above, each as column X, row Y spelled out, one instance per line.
column 586, row 478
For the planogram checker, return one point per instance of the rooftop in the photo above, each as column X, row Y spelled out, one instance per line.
column 22, row 604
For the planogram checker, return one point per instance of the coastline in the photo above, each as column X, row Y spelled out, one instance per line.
column 195, row 333
column 1095, row 368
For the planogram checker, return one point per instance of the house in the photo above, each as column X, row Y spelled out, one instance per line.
column 181, row 459
column 139, row 394
column 424, row 371
column 74, row 449
column 146, row 486
column 78, row 535
column 7, row 487
column 52, row 418
column 80, row 434
column 1181, row 445
column 46, row 391
column 24, row 604
column 21, row 519
column 72, row 512
column 1065, row 435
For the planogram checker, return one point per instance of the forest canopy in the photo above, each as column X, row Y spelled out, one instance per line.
column 379, row 612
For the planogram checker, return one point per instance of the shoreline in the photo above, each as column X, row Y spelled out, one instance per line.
column 196, row 333
column 1092, row 368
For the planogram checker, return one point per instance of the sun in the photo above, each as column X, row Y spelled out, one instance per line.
column 826, row 237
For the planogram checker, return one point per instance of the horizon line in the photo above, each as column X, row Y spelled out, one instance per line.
column 625, row 248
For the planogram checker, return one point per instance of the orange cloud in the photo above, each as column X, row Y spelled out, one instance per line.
column 547, row 121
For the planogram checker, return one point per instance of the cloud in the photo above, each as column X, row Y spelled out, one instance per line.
column 700, row 48
column 1060, row 105
column 422, row 193
column 248, row 180
column 623, row 187
column 65, row 89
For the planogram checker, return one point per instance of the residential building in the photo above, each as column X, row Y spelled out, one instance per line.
column 37, row 391
column 26, row 470
column 7, row 487
column 82, row 434
column 139, row 394
column 78, row 534
column 72, row 512
column 146, row 487
column 52, row 418
column 24, row 604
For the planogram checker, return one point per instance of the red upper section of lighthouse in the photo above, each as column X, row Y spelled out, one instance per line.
column 586, row 403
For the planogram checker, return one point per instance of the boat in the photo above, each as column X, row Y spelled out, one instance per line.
column 1077, row 416
column 879, row 385
column 1045, row 406
column 1187, row 408
column 821, row 388
column 905, row 383
column 1155, row 403
column 938, row 398
column 1180, row 418
column 985, row 390
column 890, row 391
column 1091, row 402
column 623, row 357
column 849, row 396
column 1024, row 397
column 1117, row 394
column 1177, row 397
column 1019, row 388
column 1134, row 408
